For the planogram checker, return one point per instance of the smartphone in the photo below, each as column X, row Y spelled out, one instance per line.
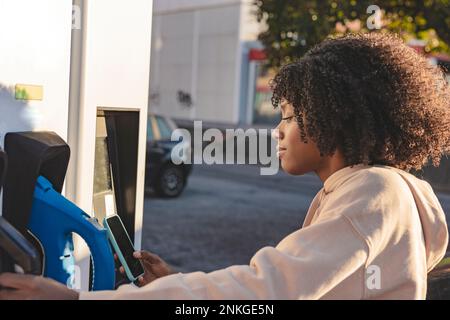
column 123, row 247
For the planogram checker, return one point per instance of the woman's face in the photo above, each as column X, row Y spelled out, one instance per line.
column 296, row 156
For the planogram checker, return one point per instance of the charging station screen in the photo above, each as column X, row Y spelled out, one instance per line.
column 125, row 245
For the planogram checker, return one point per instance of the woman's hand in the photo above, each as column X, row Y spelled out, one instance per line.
column 154, row 267
column 27, row 287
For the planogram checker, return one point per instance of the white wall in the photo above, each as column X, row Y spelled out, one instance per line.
column 197, row 50
column 164, row 6
column 172, row 60
column 115, row 66
column 218, row 45
column 35, row 49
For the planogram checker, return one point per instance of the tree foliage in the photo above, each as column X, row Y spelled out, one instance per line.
column 294, row 26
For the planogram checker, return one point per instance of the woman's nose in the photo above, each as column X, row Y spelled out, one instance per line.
column 277, row 134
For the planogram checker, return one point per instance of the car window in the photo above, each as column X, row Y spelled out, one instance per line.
column 164, row 128
column 150, row 134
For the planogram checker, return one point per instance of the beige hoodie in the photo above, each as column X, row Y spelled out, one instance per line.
column 372, row 232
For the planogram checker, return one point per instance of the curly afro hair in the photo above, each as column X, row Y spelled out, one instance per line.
column 371, row 96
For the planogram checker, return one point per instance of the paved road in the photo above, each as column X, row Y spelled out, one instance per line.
column 226, row 214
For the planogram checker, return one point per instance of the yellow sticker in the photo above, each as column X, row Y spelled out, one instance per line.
column 29, row 92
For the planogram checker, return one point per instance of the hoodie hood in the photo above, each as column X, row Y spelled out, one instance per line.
column 432, row 218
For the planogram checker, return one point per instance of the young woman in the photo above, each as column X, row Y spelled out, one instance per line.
column 360, row 111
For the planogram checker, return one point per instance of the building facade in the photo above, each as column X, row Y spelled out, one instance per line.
column 202, row 66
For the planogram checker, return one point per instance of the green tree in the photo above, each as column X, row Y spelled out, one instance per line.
column 294, row 26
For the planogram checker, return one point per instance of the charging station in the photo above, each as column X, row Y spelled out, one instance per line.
column 78, row 71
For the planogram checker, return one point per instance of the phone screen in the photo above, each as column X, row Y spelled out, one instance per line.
column 125, row 245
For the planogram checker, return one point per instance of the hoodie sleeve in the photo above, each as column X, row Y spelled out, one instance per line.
column 307, row 264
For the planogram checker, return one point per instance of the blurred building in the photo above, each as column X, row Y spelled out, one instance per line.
column 206, row 63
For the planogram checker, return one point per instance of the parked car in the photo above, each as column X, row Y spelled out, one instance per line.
column 165, row 177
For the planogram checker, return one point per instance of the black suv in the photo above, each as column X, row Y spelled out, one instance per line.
column 162, row 175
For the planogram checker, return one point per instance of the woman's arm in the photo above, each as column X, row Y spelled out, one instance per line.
column 307, row 264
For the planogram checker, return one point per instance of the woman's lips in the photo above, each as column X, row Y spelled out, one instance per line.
column 280, row 151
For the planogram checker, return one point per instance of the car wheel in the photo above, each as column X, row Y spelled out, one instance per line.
column 171, row 182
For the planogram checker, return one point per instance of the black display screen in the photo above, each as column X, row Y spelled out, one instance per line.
column 126, row 247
